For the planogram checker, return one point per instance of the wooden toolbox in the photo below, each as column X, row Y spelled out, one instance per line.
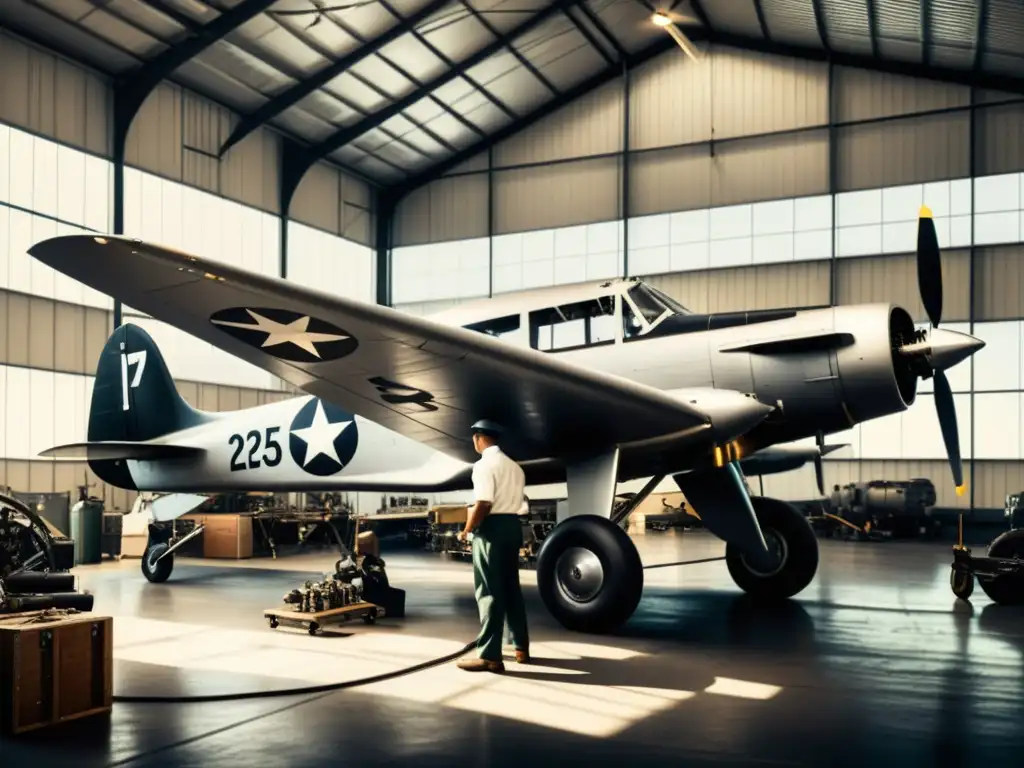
column 54, row 669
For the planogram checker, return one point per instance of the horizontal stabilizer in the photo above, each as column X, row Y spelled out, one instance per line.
column 107, row 450
column 812, row 342
column 174, row 505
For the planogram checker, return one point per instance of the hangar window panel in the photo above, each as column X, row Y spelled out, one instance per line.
column 5, row 163
column 507, row 249
column 193, row 238
column 5, row 245
column 732, row 253
column 538, row 245
column 22, row 150
column 997, row 428
column 41, row 412
column 571, row 326
column 773, row 248
column 570, row 269
column 731, row 222
column 995, row 228
column 67, row 288
column 650, row 231
column 67, row 405
column 687, row 257
column 570, row 241
column 539, row 274
column 150, row 200
column 271, row 245
column 690, row 227
column 881, row 438
column 650, row 261
column 997, row 193
column 859, row 208
column 71, row 185
column 44, row 178
column 859, row 241
column 605, row 237
column 812, row 213
column 3, row 411
column 922, row 437
column 901, row 236
column 960, row 191
column 212, row 234
column 229, row 245
column 19, row 274
column 773, row 218
column 99, row 182
column 19, row 414
column 507, row 278
column 604, row 266
column 997, row 366
column 812, row 246
column 250, row 239
column 902, row 204
column 133, row 203
column 960, row 234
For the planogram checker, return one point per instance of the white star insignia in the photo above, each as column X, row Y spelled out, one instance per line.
column 320, row 435
column 285, row 333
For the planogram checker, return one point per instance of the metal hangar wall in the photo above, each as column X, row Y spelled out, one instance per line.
column 751, row 181
column 57, row 177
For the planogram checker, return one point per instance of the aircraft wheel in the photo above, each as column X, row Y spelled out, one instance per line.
column 589, row 574
column 1007, row 589
column 157, row 572
column 792, row 557
column 962, row 583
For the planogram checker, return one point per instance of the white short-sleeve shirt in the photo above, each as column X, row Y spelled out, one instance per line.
column 499, row 480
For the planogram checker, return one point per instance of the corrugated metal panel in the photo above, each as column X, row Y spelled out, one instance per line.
column 670, row 102
column 48, row 95
column 863, row 95
column 155, row 140
column 999, row 283
column 904, row 151
column 588, row 126
column 562, row 195
column 994, row 480
column 894, row 279
column 251, row 171
column 447, row 209
column 473, row 165
column 742, row 171
column 999, row 139
column 316, row 201
column 204, row 127
column 753, row 93
column 769, row 286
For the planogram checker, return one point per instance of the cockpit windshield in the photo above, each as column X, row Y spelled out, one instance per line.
column 653, row 306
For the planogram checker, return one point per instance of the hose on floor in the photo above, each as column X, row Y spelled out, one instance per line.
column 301, row 691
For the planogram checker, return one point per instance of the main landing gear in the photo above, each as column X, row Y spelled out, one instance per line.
column 158, row 559
column 590, row 576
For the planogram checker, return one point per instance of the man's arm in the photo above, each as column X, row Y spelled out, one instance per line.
column 477, row 513
column 483, row 491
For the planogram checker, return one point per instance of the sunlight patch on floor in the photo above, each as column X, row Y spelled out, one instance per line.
column 742, row 689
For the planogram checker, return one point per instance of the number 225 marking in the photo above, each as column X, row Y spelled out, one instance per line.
column 271, row 450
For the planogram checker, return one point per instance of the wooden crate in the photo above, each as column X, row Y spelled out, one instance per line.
column 55, row 670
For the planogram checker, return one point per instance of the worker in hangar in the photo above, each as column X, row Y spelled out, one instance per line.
column 498, row 490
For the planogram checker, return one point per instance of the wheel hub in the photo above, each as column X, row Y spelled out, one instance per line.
column 580, row 574
column 765, row 564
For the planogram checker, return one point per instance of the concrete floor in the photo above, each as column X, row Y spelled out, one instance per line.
column 875, row 663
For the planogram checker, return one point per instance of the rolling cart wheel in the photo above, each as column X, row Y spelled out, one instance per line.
column 371, row 616
column 314, row 628
column 962, row 583
column 272, row 621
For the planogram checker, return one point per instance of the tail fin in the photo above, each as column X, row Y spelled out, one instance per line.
column 134, row 397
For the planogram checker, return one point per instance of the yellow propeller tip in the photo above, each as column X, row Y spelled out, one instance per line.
column 960, row 489
column 926, row 212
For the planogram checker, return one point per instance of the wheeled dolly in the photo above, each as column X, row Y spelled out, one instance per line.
column 314, row 621
column 1000, row 573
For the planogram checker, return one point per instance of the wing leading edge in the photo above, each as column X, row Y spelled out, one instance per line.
column 424, row 380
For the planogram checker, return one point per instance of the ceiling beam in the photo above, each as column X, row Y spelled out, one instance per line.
column 819, row 22
column 589, row 37
column 926, row 32
column 304, row 88
column 981, row 41
column 701, row 14
column 345, row 135
column 761, row 20
column 603, row 29
column 873, row 27
column 607, row 75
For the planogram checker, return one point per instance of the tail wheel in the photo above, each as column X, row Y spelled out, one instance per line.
column 1007, row 589
column 157, row 570
column 962, row 583
column 792, row 557
column 589, row 574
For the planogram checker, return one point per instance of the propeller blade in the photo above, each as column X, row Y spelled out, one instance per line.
column 946, row 410
column 819, row 474
column 929, row 266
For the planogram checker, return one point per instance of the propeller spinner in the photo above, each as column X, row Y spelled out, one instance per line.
column 935, row 350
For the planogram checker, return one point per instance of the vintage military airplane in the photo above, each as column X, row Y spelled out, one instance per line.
column 594, row 385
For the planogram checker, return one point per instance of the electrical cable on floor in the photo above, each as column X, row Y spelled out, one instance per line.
column 302, row 691
column 684, row 562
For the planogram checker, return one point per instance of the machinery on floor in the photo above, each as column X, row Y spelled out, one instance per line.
column 593, row 384
column 881, row 509
column 1001, row 571
column 445, row 521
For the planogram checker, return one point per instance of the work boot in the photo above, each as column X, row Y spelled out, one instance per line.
column 522, row 657
column 481, row 665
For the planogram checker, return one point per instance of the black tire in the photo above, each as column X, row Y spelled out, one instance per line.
column 962, row 583
column 1007, row 589
column 157, row 572
column 589, row 574
column 788, row 533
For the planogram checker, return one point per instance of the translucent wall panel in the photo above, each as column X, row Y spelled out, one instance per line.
column 998, row 366
column 168, row 213
column 441, row 271
column 427, row 308
column 48, row 190
column 326, row 262
column 997, row 209
column 737, row 235
column 562, row 256
column 41, row 409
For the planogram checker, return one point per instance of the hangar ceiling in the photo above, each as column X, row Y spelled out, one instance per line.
column 401, row 91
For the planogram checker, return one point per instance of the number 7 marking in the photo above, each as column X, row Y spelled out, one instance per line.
column 137, row 359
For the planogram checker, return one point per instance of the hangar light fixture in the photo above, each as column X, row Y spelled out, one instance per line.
column 660, row 19
column 666, row 22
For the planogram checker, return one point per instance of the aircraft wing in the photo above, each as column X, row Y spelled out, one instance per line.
column 427, row 381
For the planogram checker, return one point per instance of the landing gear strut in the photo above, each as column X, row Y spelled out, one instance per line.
column 792, row 557
column 158, row 559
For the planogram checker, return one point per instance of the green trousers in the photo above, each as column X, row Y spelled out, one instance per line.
column 499, row 597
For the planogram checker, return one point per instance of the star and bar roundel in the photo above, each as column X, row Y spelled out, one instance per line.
column 285, row 334
column 322, row 438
